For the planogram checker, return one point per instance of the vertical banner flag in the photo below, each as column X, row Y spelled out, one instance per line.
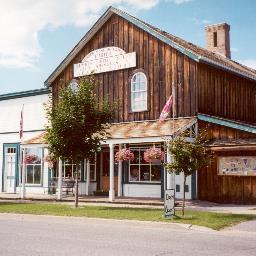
column 21, row 122
column 166, row 109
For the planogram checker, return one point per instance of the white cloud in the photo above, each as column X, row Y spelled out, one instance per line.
column 180, row 1
column 199, row 21
column 21, row 22
column 249, row 63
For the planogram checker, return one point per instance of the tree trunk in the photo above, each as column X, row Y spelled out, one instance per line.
column 76, row 184
column 184, row 196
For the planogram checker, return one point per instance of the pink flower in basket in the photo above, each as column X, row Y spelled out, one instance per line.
column 30, row 159
column 153, row 154
column 50, row 160
column 124, row 155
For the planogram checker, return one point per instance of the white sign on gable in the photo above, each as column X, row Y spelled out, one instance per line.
column 105, row 60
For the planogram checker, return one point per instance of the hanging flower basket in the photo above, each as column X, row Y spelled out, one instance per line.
column 31, row 159
column 124, row 155
column 50, row 160
column 152, row 155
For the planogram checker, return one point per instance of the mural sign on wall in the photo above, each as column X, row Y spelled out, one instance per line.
column 105, row 60
column 237, row 165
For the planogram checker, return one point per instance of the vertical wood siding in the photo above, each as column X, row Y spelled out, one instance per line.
column 226, row 189
column 225, row 95
column 163, row 65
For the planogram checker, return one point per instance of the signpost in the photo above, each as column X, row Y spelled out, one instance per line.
column 169, row 203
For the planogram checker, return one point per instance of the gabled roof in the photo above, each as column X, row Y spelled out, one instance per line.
column 194, row 52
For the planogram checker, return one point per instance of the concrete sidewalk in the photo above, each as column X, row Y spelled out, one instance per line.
column 133, row 202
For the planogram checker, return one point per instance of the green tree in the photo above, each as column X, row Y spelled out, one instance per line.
column 187, row 157
column 77, row 124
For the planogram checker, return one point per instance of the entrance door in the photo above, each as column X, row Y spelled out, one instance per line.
column 105, row 173
column 10, row 169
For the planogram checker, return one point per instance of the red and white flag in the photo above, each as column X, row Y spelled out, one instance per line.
column 166, row 109
column 21, row 122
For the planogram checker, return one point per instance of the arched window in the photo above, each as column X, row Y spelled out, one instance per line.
column 139, row 92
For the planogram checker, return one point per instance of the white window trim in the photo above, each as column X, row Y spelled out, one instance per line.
column 145, row 108
column 41, row 171
column 139, row 164
column 73, row 166
column 95, row 165
column 33, row 183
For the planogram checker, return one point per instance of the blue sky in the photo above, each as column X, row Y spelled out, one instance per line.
column 40, row 33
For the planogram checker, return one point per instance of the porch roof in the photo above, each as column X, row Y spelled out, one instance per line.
column 136, row 130
column 148, row 128
column 38, row 139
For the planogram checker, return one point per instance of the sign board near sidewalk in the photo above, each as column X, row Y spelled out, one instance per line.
column 169, row 203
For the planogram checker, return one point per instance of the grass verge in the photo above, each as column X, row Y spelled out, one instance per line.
column 212, row 220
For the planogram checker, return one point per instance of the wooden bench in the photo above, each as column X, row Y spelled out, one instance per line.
column 67, row 185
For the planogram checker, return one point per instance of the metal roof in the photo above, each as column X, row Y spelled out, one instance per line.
column 23, row 94
column 228, row 123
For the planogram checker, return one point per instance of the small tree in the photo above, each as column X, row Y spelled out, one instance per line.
column 77, row 124
column 187, row 157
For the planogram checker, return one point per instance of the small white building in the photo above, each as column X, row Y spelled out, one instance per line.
column 34, row 121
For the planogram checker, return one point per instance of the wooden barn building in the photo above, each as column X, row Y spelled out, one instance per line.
column 140, row 66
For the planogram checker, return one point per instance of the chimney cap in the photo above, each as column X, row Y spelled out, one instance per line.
column 221, row 24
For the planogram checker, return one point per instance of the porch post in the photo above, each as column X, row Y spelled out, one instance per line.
column 111, row 173
column 85, row 171
column 87, row 163
column 120, row 175
column 23, row 188
column 59, row 195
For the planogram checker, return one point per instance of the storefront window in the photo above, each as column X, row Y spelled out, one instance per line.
column 33, row 163
column 139, row 92
column 141, row 171
column 69, row 170
column 92, row 170
column 237, row 165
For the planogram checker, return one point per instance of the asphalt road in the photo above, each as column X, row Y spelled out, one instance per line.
column 45, row 235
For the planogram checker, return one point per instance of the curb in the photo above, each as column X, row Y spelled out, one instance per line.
column 81, row 201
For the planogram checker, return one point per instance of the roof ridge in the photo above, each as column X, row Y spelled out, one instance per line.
column 192, row 44
column 193, row 51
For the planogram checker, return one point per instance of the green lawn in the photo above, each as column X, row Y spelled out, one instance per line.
column 212, row 220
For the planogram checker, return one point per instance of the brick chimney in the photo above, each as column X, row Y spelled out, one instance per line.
column 217, row 39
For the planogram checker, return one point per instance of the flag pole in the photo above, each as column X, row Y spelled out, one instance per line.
column 173, row 100
column 164, row 114
column 173, row 131
column 23, row 153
